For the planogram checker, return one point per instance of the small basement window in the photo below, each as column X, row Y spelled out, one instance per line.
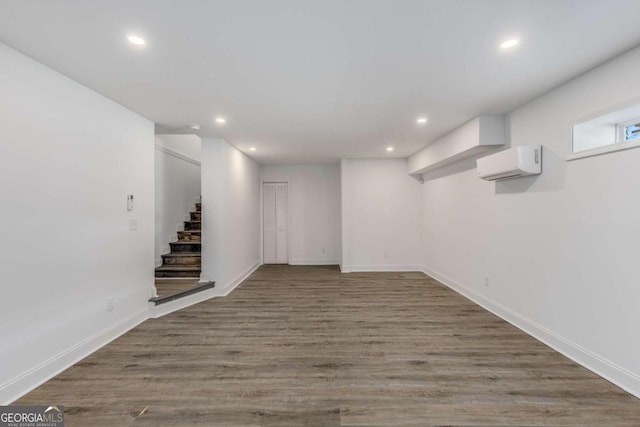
column 629, row 131
column 607, row 132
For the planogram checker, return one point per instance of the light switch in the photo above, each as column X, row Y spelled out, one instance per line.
column 129, row 202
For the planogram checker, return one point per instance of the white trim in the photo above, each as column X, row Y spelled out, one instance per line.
column 177, row 155
column 617, row 144
column 221, row 290
column 22, row 384
column 605, row 149
column 314, row 262
column 43, row 372
column 381, row 268
column 607, row 369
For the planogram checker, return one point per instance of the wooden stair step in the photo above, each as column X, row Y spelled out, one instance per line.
column 182, row 258
column 181, row 294
column 178, row 271
column 188, row 246
column 192, row 225
column 183, row 255
column 190, row 236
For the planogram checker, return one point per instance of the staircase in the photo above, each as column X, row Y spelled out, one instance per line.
column 184, row 260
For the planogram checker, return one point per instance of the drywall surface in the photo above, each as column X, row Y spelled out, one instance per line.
column 74, row 274
column 177, row 186
column 555, row 254
column 381, row 216
column 314, row 199
column 186, row 145
column 483, row 133
column 231, row 214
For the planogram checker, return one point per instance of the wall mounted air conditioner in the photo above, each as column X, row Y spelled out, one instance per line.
column 512, row 163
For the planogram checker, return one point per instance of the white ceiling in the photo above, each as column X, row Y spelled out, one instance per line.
column 313, row 81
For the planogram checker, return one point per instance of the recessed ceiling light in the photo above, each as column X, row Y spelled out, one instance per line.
column 508, row 44
column 390, row 149
column 252, row 148
column 221, row 120
column 421, row 120
column 137, row 40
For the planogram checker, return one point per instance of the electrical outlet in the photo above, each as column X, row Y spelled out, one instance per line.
column 133, row 224
column 324, row 250
column 386, row 254
column 110, row 303
column 486, row 281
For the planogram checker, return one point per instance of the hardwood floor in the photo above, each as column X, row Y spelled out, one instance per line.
column 309, row 346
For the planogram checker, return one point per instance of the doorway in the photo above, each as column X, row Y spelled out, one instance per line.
column 275, row 222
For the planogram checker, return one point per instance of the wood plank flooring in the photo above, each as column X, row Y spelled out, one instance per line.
column 309, row 346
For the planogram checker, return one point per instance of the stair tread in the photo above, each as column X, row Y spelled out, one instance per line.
column 168, row 298
column 178, row 268
column 190, row 231
column 187, row 242
column 181, row 254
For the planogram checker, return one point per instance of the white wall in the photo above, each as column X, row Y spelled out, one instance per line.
column 314, row 198
column 231, row 219
column 177, row 186
column 381, row 216
column 559, row 250
column 68, row 159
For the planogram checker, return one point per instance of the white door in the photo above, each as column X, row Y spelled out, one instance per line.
column 275, row 208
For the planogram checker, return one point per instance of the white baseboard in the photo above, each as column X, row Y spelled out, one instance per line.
column 34, row 377
column 607, row 369
column 314, row 262
column 381, row 268
column 220, row 290
column 13, row 389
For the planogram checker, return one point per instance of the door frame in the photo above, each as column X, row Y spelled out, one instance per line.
column 275, row 181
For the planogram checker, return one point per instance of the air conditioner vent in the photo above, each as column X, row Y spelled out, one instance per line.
column 515, row 162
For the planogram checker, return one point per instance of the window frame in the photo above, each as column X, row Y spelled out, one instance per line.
column 621, row 129
column 619, row 144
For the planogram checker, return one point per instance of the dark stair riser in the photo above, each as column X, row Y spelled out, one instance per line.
column 171, row 259
column 161, row 273
column 196, row 216
column 189, row 236
column 182, row 247
column 191, row 225
column 198, row 207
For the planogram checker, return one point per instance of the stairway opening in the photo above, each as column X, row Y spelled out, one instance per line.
column 178, row 217
column 179, row 274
